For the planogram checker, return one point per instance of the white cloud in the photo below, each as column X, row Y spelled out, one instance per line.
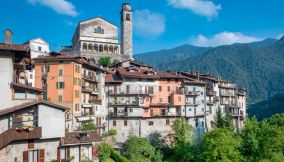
column 70, row 23
column 60, row 6
column 224, row 38
column 148, row 24
column 201, row 7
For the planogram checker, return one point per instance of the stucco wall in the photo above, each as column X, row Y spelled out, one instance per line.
column 6, row 71
column 52, row 122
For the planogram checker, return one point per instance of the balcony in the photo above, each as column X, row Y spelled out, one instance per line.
column 90, row 90
column 89, row 78
column 95, row 101
column 126, row 103
column 118, row 114
column 223, row 94
column 228, row 86
column 129, row 93
column 16, row 134
column 210, row 102
column 192, row 104
column 192, row 93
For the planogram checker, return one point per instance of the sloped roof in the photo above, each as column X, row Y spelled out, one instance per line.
column 14, row 47
column 79, row 138
column 28, row 104
column 22, row 86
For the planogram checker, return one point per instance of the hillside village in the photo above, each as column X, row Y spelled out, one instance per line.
column 59, row 105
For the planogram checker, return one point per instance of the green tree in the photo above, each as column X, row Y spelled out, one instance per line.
column 249, row 135
column 88, row 126
column 224, row 121
column 220, row 145
column 115, row 61
column 138, row 149
column 183, row 132
column 105, row 61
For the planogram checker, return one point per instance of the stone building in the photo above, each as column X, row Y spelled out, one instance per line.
column 98, row 37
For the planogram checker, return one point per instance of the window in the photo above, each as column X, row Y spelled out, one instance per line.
column 77, row 68
column 201, row 93
column 99, row 30
column 31, row 76
column 130, row 110
column 150, row 90
column 168, row 80
column 60, row 85
column 160, row 88
column 167, row 121
column 169, row 88
column 196, row 123
column 151, row 123
column 60, row 98
column 161, row 99
column 77, row 81
column 114, row 123
column 179, row 98
column 33, row 156
column 125, row 122
column 19, row 94
column 39, row 48
column 77, row 107
column 45, row 69
column 202, row 123
column 62, row 154
column 176, row 80
column 128, row 17
column 60, row 72
column 77, row 93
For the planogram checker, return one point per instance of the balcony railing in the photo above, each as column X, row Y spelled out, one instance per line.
column 192, row 104
column 227, row 94
column 191, row 93
column 16, row 134
column 210, row 102
column 128, row 103
column 118, row 114
column 89, row 89
column 95, row 101
column 232, row 86
column 123, row 93
column 89, row 77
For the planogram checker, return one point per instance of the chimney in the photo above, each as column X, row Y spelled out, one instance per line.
column 8, row 36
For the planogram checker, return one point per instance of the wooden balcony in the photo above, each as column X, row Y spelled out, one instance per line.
column 16, row 134
column 90, row 78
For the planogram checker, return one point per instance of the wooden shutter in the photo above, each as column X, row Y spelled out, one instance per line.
column 68, row 152
column 25, row 156
column 58, row 154
column 41, row 155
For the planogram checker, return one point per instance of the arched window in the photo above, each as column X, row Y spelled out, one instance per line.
column 96, row 48
column 115, row 49
column 128, row 16
column 90, row 47
column 99, row 30
column 111, row 49
column 106, row 48
column 85, row 46
column 101, row 48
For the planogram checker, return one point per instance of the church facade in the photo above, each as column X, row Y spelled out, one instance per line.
column 98, row 37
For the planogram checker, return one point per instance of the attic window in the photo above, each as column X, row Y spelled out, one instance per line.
column 99, row 30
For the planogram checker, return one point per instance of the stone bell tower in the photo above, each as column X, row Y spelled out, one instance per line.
column 126, row 30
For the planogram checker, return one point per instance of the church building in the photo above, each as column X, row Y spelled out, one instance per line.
column 98, row 37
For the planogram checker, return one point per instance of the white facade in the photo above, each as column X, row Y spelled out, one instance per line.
column 6, row 72
column 38, row 47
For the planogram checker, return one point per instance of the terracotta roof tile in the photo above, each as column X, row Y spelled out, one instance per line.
column 77, row 138
column 28, row 104
column 14, row 47
column 113, row 78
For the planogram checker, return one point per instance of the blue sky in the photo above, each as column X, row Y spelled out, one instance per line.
column 158, row 24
